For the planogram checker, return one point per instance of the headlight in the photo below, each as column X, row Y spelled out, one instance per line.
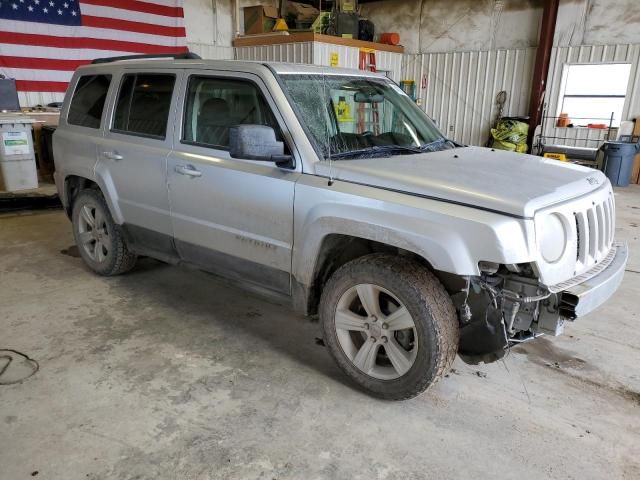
column 552, row 237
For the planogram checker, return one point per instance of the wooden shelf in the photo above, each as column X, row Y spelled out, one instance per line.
column 271, row 39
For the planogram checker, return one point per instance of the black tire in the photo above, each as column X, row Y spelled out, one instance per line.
column 432, row 311
column 117, row 259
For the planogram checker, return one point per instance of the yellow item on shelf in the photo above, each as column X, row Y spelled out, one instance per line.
column 280, row 26
column 556, row 156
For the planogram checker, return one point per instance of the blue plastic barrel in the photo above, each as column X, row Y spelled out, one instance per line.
column 618, row 161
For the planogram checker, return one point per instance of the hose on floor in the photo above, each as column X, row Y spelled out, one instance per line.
column 35, row 366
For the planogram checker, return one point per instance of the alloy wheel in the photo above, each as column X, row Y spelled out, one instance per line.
column 376, row 331
column 93, row 233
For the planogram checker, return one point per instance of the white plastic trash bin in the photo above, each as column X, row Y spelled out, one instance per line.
column 17, row 160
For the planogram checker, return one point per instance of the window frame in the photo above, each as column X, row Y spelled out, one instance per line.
column 613, row 123
column 318, row 150
column 105, row 106
column 135, row 74
column 192, row 76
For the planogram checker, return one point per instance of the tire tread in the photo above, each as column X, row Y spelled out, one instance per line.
column 124, row 260
column 424, row 287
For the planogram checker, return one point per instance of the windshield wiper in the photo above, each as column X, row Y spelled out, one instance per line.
column 376, row 150
column 436, row 144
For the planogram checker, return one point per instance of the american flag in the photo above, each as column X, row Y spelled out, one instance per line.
column 43, row 41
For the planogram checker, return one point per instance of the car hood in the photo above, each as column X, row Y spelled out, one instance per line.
column 506, row 182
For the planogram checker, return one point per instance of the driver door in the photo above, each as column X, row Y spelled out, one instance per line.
column 230, row 216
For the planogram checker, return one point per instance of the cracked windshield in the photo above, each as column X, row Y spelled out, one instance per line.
column 357, row 117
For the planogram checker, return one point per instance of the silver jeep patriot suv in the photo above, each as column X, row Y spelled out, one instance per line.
column 332, row 189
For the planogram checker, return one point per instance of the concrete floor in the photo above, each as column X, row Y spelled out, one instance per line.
column 171, row 373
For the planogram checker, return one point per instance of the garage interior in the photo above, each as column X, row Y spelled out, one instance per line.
column 170, row 372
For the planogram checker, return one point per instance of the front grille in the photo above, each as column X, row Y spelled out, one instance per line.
column 594, row 233
column 583, row 277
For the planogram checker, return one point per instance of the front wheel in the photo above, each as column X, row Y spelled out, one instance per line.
column 390, row 325
column 100, row 241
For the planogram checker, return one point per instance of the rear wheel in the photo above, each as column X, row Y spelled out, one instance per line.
column 100, row 241
column 390, row 325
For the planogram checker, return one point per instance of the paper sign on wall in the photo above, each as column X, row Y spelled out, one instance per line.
column 334, row 59
column 15, row 143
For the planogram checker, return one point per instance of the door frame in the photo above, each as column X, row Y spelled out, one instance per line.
column 217, row 261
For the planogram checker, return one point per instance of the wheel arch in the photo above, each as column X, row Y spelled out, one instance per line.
column 335, row 250
column 74, row 184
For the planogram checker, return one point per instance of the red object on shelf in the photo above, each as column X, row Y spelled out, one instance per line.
column 390, row 38
column 597, row 125
column 367, row 61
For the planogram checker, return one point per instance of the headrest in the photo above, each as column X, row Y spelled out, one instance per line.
column 214, row 109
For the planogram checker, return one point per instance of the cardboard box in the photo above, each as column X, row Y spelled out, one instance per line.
column 635, row 173
column 259, row 19
column 302, row 12
column 348, row 6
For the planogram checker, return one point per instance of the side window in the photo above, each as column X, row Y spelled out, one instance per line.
column 143, row 104
column 214, row 105
column 88, row 100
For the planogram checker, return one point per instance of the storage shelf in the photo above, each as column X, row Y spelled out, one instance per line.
column 275, row 39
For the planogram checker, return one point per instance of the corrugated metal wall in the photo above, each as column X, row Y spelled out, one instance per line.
column 301, row 52
column 590, row 54
column 319, row 53
column 349, row 57
column 460, row 88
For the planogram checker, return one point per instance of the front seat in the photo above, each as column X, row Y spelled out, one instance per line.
column 149, row 116
column 214, row 122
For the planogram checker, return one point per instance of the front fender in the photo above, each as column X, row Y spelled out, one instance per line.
column 452, row 238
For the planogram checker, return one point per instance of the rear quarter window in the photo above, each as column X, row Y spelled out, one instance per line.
column 88, row 100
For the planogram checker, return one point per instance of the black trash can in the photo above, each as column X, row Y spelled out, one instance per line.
column 618, row 161
column 46, row 163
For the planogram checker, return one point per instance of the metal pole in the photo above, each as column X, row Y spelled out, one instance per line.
column 610, row 126
column 543, row 58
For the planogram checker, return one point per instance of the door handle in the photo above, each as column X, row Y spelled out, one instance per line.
column 112, row 155
column 188, row 170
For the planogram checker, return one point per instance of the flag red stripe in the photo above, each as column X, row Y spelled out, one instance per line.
column 40, row 86
column 138, row 27
column 138, row 6
column 85, row 42
column 41, row 63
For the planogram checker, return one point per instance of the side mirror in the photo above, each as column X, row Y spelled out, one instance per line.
column 257, row 142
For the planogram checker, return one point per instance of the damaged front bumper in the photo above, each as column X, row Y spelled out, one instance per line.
column 584, row 297
column 519, row 308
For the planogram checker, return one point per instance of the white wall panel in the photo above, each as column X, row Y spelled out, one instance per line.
column 206, row 50
column 319, row 53
column 347, row 56
column 460, row 88
column 31, row 99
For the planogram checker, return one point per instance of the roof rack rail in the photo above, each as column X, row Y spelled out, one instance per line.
column 176, row 56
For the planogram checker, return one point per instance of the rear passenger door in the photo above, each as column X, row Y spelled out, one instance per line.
column 80, row 128
column 132, row 156
column 231, row 216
